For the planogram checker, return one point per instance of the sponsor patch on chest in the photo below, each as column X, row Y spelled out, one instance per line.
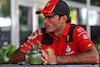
column 68, row 50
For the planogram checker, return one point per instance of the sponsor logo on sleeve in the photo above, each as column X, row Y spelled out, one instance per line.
column 35, row 34
column 80, row 29
column 22, row 45
column 89, row 45
column 25, row 45
column 85, row 36
column 28, row 41
column 82, row 32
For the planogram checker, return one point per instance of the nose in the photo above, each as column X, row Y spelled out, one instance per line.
column 45, row 20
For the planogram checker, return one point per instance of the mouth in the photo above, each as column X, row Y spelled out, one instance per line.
column 47, row 26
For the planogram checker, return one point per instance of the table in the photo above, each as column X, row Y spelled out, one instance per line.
column 69, row 65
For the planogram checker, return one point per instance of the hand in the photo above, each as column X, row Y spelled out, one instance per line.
column 47, row 57
column 44, row 56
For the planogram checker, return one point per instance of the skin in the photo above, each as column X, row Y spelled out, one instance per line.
column 54, row 25
column 57, row 26
column 18, row 56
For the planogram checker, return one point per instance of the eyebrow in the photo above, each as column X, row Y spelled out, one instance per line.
column 46, row 14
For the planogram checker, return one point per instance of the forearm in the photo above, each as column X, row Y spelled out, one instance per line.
column 18, row 56
column 77, row 59
column 89, row 57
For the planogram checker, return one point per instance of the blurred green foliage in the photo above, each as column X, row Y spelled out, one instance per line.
column 97, row 46
column 5, row 8
column 73, row 15
column 98, row 49
column 5, row 54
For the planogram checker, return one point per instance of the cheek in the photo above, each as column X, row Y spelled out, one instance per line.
column 55, row 26
column 54, row 23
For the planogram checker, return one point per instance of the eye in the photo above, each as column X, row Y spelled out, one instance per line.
column 50, row 16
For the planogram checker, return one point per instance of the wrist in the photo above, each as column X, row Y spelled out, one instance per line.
column 58, row 59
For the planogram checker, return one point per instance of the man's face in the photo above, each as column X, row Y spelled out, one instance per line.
column 52, row 24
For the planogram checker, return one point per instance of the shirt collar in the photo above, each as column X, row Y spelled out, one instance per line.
column 65, row 33
column 50, row 34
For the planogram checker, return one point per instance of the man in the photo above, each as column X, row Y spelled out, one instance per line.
column 62, row 43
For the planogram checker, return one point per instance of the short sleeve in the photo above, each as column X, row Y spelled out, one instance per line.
column 81, row 39
column 31, row 41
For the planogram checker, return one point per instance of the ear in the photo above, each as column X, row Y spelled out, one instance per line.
column 64, row 18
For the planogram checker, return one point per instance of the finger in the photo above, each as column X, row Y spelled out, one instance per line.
column 48, row 52
column 44, row 56
column 41, row 51
column 43, row 61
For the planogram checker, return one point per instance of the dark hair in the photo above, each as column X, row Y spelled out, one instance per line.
column 68, row 19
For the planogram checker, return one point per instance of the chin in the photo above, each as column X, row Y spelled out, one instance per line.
column 47, row 30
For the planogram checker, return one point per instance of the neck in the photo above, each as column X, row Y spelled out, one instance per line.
column 59, row 31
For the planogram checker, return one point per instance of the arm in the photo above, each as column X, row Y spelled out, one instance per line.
column 90, row 56
column 18, row 56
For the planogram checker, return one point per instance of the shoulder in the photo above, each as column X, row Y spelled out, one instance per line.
column 37, row 33
column 79, row 31
column 81, row 37
column 80, row 34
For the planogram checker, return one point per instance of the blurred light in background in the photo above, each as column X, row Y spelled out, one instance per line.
column 84, row 13
column 4, row 22
column 93, row 18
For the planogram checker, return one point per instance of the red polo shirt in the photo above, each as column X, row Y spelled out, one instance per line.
column 79, row 44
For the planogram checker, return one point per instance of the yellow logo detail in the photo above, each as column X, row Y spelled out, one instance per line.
column 50, row 50
column 52, row 9
column 67, row 38
column 22, row 45
column 47, row 4
column 89, row 45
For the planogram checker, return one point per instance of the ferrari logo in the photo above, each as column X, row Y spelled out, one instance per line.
column 47, row 4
